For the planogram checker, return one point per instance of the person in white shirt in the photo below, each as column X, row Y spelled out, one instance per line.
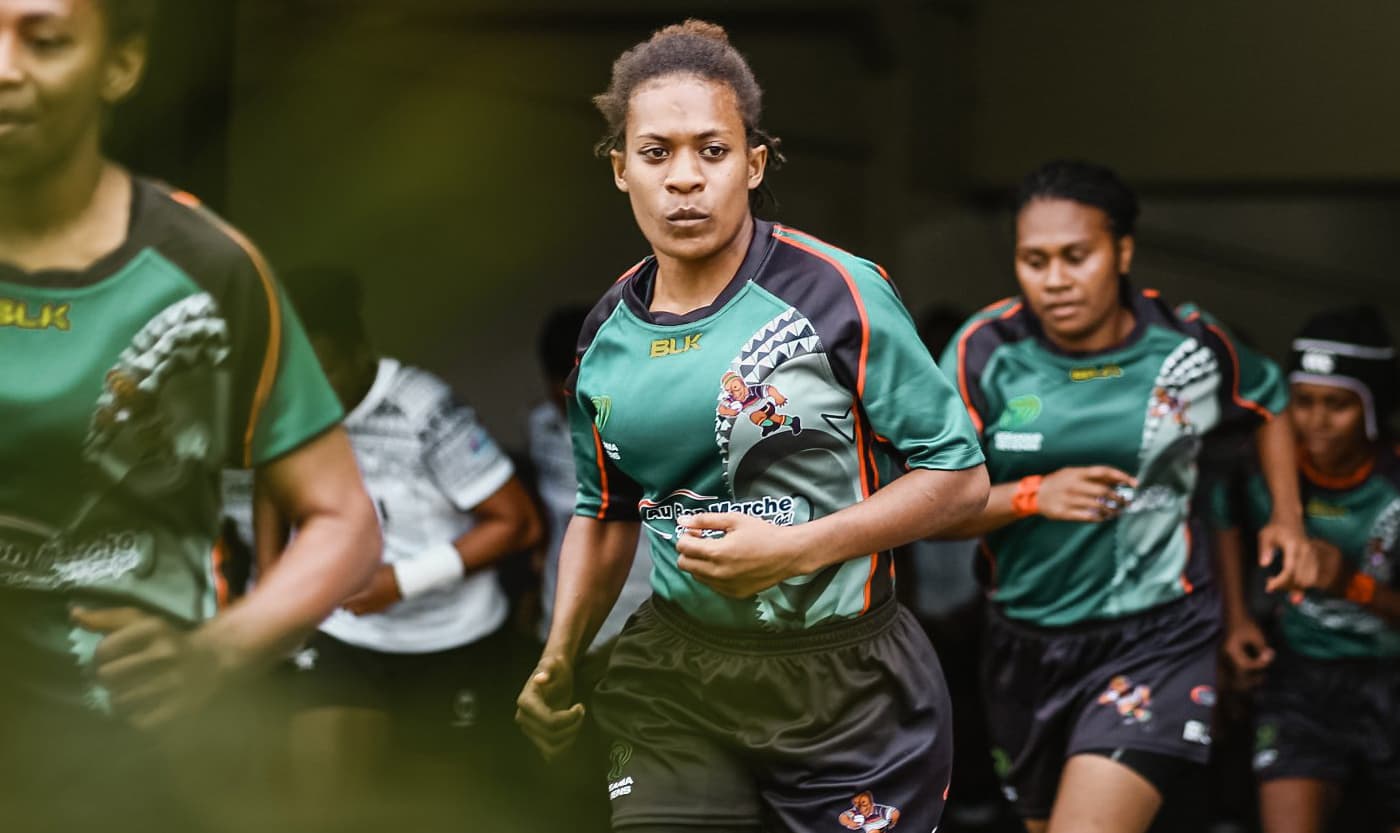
column 417, row 669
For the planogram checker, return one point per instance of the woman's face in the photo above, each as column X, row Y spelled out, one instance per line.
column 687, row 166
column 58, row 72
column 1068, row 263
column 1330, row 421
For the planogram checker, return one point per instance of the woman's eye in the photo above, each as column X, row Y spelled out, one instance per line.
column 713, row 151
column 654, row 153
column 46, row 43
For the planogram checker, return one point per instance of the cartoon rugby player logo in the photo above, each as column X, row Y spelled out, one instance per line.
column 1129, row 700
column 865, row 814
column 760, row 402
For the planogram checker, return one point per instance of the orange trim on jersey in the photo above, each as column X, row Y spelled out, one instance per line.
column 1186, row 582
column 630, row 272
column 272, row 358
column 870, row 581
column 217, row 557
column 1336, row 483
column 962, row 374
column 860, row 380
column 855, row 296
column 1235, row 360
column 602, row 472
column 1151, row 293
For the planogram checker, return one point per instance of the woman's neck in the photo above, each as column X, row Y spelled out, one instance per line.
column 1110, row 333
column 1346, row 462
column 67, row 218
column 685, row 285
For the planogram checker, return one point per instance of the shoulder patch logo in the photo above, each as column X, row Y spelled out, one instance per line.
column 602, row 409
column 1023, row 410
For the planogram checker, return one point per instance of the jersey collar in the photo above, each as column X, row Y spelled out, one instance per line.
column 383, row 379
column 138, row 235
column 641, row 285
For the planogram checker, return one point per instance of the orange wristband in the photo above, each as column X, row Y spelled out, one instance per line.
column 1361, row 589
column 1026, row 501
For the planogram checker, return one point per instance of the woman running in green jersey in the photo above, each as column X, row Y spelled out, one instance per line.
column 760, row 402
column 1091, row 397
column 145, row 348
column 1327, row 714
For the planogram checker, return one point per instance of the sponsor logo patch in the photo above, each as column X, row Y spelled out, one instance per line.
column 1315, row 361
column 602, row 409
column 1021, row 411
column 1018, row 442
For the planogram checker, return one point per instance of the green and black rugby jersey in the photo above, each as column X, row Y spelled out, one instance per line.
column 124, row 390
column 800, row 391
column 1142, row 407
column 1359, row 515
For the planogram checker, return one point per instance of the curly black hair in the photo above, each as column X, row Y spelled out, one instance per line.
column 697, row 48
column 1087, row 184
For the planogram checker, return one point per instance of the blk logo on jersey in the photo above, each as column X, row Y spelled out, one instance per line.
column 18, row 314
column 1089, row 374
column 663, row 347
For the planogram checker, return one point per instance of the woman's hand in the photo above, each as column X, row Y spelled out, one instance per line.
column 1088, row 494
column 747, row 555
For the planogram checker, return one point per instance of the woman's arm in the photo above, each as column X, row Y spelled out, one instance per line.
column 156, row 671
column 753, row 555
column 594, row 560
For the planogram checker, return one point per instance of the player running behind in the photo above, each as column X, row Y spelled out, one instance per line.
column 146, row 346
column 772, row 676
column 408, row 685
column 1091, row 398
column 1326, row 713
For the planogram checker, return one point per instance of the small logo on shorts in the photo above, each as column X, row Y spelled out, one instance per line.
column 1265, row 753
column 1130, row 701
column 1203, row 695
column 865, row 814
column 464, row 709
column 1196, row 732
column 618, row 785
column 305, row 659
